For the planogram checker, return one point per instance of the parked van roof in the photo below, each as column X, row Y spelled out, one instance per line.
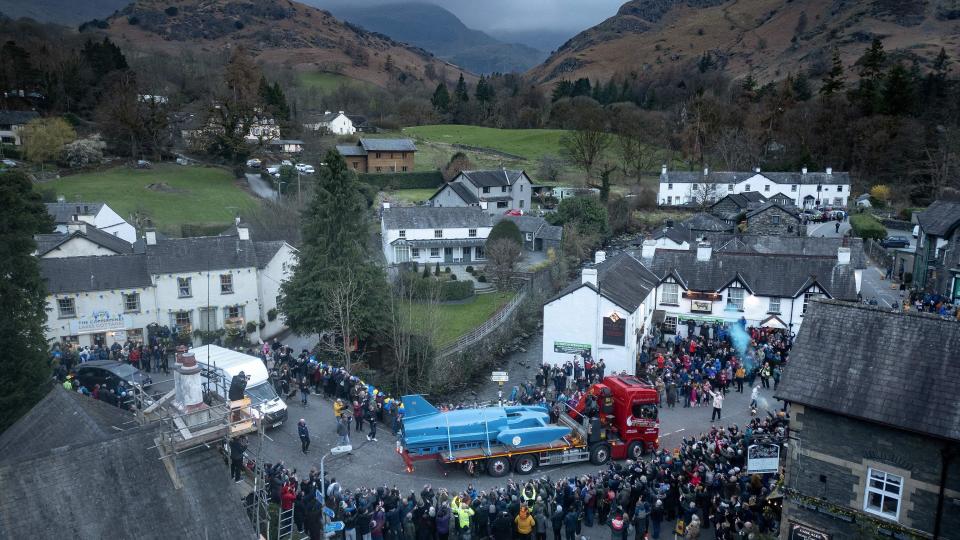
column 232, row 362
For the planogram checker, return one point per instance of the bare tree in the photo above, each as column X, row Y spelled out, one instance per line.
column 630, row 135
column 413, row 325
column 341, row 299
column 549, row 168
column 736, row 149
column 503, row 255
column 703, row 194
column 585, row 146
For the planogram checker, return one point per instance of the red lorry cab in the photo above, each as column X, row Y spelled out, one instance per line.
column 622, row 410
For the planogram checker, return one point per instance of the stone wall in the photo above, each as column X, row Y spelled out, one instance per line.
column 774, row 221
column 830, row 459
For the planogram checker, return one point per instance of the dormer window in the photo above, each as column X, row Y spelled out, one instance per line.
column 403, row 233
column 438, row 233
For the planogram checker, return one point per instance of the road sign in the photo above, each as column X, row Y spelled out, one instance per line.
column 499, row 376
column 333, row 526
column 329, row 512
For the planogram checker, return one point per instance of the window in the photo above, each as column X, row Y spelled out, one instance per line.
column 882, row 496
column 774, row 306
column 438, row 233
column 486, row 190
column 183, row 287
column 503, row 189
column 414, row 252
column 233, row 312
column 521, row 187
column 404, row 168
column 812, row 292
column 502, row 204
column 393, row 168
column 793, row 187
column 226, row 283
column 839, row 189
column 671, row 294
column 131, row 302
column 775, row 220
column 766, row 187
column 521, row 204
column 670, row 199
column 472, row 233
column 378, row 155
column 729, row 187
column 67, row 307
column 434, row 253
column 838, row 201
column 735, row 299
column 478, row 251
column 669, row 186
column 208, row 319
column 403, row 233
column 748, row 187
column 669, row 325
column 819, row 188
column 696, row 186
column 356, row 165
column 379, row 169
column 183, row 319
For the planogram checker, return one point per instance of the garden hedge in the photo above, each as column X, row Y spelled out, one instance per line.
column 866, row 226
column 405, row 180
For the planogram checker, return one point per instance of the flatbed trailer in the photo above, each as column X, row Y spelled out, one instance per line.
column 498, row 459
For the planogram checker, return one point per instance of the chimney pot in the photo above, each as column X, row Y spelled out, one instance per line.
column 756, row 169
column 706, row 171
column 599, row 256
column 339, row 112
column 663, row 169
column 704, row 251
column 150, row 235
column 829, row 170
column 803, row 170
column 326, row 112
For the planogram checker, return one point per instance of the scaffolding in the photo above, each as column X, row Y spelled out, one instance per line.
column 211, row 425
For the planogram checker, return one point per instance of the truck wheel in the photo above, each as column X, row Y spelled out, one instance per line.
column 498, row 466
column 635, row 450
column 525, row 464
column 600, row 454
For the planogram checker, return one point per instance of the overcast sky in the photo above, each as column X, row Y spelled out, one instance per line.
column 511, row 15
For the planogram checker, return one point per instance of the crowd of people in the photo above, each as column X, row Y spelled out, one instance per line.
column 933, row 303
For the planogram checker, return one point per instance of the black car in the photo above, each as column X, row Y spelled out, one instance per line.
column 109, row 374
column 895, row 242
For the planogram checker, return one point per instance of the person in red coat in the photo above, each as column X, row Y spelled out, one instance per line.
column 288, row 495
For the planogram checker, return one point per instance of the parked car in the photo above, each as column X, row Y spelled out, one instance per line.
column 273, row 169
column 110, row 373
column 8, row 162
column 144, row 164
column 254, row 163
column 895, row 242
column 304, row 168
column 287, row 163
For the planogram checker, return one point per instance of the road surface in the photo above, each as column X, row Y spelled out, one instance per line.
column 261, row 187
column 828, row 229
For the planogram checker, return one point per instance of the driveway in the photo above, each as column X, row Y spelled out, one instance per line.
column 261, row 187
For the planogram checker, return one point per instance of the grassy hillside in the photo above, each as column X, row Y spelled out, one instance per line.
column 529, row 144
column 327, row 82
column 170, row 194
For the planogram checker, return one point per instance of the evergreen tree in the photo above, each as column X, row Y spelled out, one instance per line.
column 335, row 271
column 24, row 363
column 581, row 87
column 484, row 91
column 935, row 84
column 869, row 92
column 834, row 81
column 441, row 98
column 103, row 57
column 460, row 92
column 898, row 91
column 801, row 87
column 561, row 90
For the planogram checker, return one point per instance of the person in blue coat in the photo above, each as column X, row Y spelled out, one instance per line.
column 304, row 434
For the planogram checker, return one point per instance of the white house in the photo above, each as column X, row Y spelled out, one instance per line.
column 80, row 240
column 263, row 130
column 427, row 234
column 97, row 214
column 608, row 312
column 680, row 290
column 496, row 191
column 337, row 123
column 805, row 189
column 11, row 125
column 203, row 283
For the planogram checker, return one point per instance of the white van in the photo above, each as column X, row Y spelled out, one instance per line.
column 217, row 361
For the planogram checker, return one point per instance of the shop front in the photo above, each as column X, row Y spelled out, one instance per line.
column 104, row 328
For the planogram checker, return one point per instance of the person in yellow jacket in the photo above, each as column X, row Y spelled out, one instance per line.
column 338, row 408
column 739, row 376
column 525, row 523
column 463, row 512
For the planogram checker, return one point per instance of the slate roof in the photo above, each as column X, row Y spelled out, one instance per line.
column 940, row 218
column 771, row 204
column 622, row 279
column 63, row 212
column 785, row 276
column 891, row 368
column 200, row 254
column 83, row 274
column 721, row 177
column 492, row 177
column 61, row 418
column 388, row 145
column 461, row 190
column 49, row 242
column 706, row 222
column 742, row 200
column 350, row 150
column 89, row 480
column 429, row 217
column 788, row 245
column 17, row 117
column 536, row 225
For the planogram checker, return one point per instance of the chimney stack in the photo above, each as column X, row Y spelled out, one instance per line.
column 829, row 170
column 599, row 256
column 649, row 249
column 188, row 391
column 151, row 236
column 843, row 255
column 339, row 112
column 706, row 171
column 803, row 170
column 589, row 275
column 663, row 169
column 326, row 112
column 61, row 199
column 243, row 231
column 704, row 251
column 77, row 226
column 386, row 206
column 756, row 169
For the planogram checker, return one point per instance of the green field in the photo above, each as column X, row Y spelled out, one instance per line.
column 460, row 318
column 411, row 195
column 530, row 144
column 327, row 82
column 170, row 194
